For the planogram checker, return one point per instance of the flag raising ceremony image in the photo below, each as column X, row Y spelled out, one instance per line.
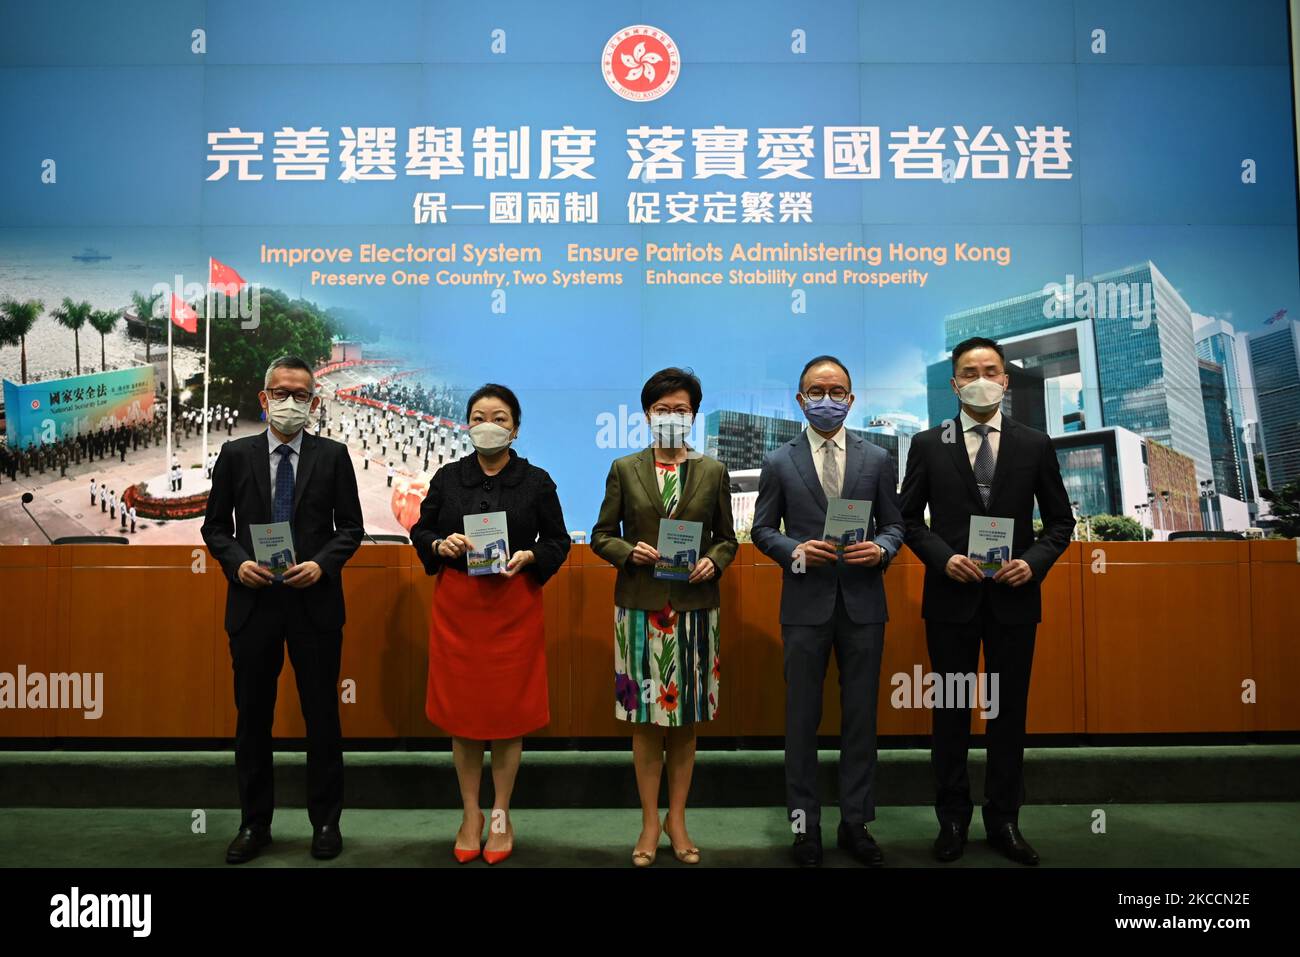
column 622, row 437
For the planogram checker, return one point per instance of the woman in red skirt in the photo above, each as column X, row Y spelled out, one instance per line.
column 487, row 651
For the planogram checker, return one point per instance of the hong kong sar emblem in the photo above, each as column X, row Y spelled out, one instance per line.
column 640, row 63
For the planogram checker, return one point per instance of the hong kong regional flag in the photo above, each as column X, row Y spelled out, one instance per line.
column 183, row 315
column 224, row 279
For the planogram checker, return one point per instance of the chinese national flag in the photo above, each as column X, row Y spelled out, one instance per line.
column 224, row 279
column 183, row 315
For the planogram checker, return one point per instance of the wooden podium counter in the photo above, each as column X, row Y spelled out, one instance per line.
column 1136, row 637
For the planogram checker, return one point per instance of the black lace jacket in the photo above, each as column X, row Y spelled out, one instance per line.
column 523, row 491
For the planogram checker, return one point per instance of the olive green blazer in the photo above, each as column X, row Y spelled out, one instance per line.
column 631, row 512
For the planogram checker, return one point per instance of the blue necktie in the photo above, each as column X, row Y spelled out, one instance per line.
column 282, row 506
column 984, row 462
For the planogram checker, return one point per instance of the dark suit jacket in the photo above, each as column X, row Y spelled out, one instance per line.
column 631, row 512
column 790, row 493
column 939, row 475
column 326, row 522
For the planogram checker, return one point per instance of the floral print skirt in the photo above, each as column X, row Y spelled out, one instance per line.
column 666, row 665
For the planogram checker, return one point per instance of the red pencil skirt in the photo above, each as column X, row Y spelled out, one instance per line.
column 487, row 656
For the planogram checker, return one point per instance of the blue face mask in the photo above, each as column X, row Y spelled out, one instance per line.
column 826, row 414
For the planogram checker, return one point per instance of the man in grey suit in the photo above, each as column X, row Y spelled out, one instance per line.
column 829, row 601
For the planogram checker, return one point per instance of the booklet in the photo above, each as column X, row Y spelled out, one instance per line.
column 679, row 548
column 273, row 547
column 489, row 543
column 847, row 520
column 989, row 545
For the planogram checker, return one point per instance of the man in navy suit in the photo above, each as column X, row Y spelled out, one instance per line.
column 285, row 474
column 829, row 602
column 983, row 463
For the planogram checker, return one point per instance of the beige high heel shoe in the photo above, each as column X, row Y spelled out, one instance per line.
column 687, row 855
column 646, row 858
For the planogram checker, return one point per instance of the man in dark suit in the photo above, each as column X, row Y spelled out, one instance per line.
column 983, row 463
column 286, row 475
column 829, row 602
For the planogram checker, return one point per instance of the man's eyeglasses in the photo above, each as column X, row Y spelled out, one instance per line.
column 299, row 396
column 817, row 393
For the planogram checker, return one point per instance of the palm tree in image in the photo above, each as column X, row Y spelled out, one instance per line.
column 144, row 307
column 103, row 321
column 16, row 321
column 73, row 315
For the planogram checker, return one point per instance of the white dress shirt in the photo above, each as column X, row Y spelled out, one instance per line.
column 973, row 438
column 273, row 443
column 819, row 453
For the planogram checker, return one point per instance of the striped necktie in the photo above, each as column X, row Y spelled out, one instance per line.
column 984, row 462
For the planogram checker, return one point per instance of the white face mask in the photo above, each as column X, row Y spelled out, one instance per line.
column 982, row 395
column 670, row 431
column 490, row 438
column 288, row 415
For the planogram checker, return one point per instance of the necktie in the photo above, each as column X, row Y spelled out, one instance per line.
column 830, row 471
column 984, row 462
column 282, row 505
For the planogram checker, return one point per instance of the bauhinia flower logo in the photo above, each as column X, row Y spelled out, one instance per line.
column 640, row 63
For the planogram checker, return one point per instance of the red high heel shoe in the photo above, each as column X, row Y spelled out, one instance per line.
column 466, row 854
column 496, row 857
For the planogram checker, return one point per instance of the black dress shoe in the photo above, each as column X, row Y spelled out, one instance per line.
column 807, row 850
column 1007, row 840
column 950, row 842
column 859, row 842
column 246, row 844
column 326, row 842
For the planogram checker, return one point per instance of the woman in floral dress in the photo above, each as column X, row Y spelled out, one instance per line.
column 666, row 649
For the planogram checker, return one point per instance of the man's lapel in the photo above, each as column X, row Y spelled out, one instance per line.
column 855, row 456
column 308, row 453
column 1007, row 447
column 262, row 472
column 803, row 463
column 961, row 461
